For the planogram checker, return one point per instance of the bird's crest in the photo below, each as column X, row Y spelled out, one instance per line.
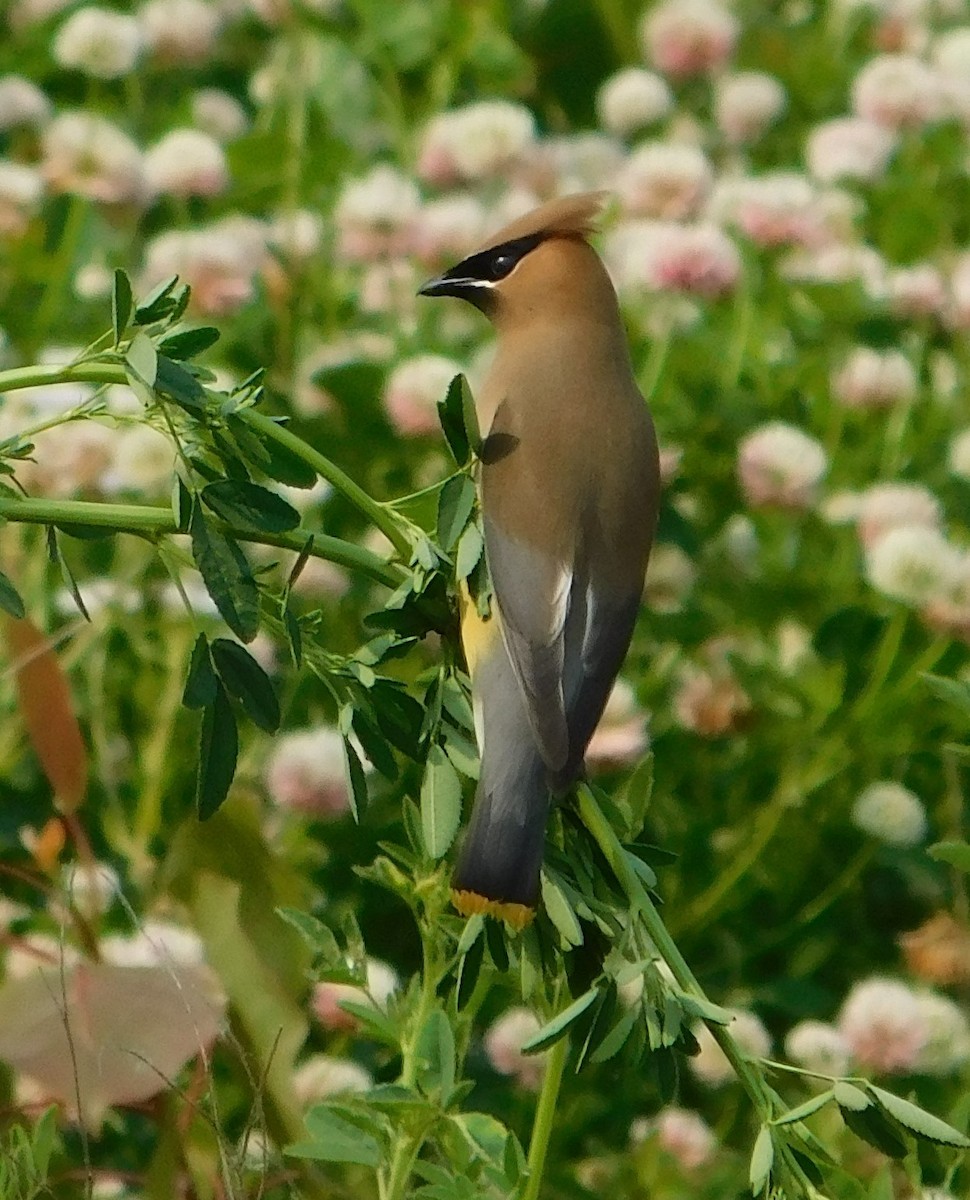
column 569, row 216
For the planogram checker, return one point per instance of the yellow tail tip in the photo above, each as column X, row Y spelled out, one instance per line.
column 470, row 904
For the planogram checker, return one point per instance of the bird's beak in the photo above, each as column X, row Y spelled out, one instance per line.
column 450, row 285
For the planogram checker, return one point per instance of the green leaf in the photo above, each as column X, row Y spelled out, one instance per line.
column 950, row 690
column 560, row 911
column 559, row 1026
column 635, row 797
column 469, row 416
column 286, row 467
column 121, row 304
column 356, row 780
column 455, row 506
column 218, row 750
column 497, row 949
column 227, row 576
column 469, row 970
column 762, row 1160
column 957, row 854
column 452, row 418
column 181, row 504
column 333, row 1139
column 615, row 1040
column 811, row 1105
column 175, row 383
column 320, row 938
column 436, row 1055
column 440, row 803
column 250, row 506
column 200, row 683
column 873, row 1127
column 157, row 303
column 474, row 928
column 187, row 343
column 291, row 623
column 700, row 1006
column 54, row 553
column 10, row 600
column 245, row 679
column 373, row 1021
column 141, row 359
column 847, row 1095
column 471, row 546
column 918, row 1121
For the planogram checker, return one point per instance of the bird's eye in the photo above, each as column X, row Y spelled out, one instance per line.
column 501, row 264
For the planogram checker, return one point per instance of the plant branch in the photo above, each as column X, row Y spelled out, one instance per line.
column 545, row 1117
column 749, row 1073
column 150, row 521
column 108, row 372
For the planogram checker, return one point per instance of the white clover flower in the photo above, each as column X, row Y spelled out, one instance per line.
column 219, row 114
column 218, row 262
column 671, row 574
column 711, row 1065
column 917, row 291
column 780, row 465
column 579, row 161
column 93, row 281
column 958, row 455
column 774, row 209
column 374, row 213
column 632, row 99
column 688, row 37
column 21, row 191
column 446, row 230
column 99, row 42
column 620, row 738
column 186, row 162
column 87, row 154
column 413, row 390
column 297, row 234
column 22, row 103
column 899, row 91
column 665, row 180
column 745, row 104
column 817, row 1047
column 913, row 564
column 663, row 256
column 891, row 813
column 839, row 262
column 849, row 148
column 307, row 773
column 143, row 461
column 874, row 379
column 98, row 596
column 382, row 983
column 503, row 1046
column 476, row 142
column 886, row 506
column 24, row 13
column 324, row 1075
column 180, row 31
column 683, row 1134
column 947, row 1046
column 883, row 1025
column 951, row 52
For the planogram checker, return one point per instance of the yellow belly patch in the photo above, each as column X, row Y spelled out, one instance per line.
column 477, row 634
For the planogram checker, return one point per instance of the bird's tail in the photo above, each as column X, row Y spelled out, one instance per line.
column 501, row 857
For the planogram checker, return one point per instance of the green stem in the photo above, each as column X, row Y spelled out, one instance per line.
column 155, row 522
column 61, row 263
column 107, row 372
column 884, row 660
column 378, row 514
column 545, row 1117
column 408, row 1145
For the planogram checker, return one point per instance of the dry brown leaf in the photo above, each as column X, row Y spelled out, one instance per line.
column 48, row 713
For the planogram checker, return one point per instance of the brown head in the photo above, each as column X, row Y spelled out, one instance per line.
column 539, row 265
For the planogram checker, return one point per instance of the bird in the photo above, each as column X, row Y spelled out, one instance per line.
column 568, row 482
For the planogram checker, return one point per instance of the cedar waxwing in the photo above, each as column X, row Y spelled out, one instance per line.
column 569, row 488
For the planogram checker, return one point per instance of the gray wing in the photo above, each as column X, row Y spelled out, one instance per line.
column 532, row 592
